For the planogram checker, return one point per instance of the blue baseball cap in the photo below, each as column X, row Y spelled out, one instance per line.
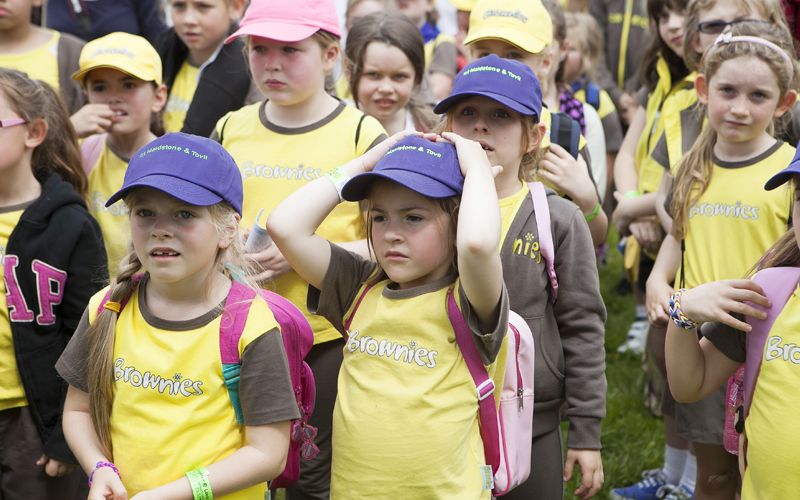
column 193, row 169
column 428, row 168
column 786, row 174
column 508, row 82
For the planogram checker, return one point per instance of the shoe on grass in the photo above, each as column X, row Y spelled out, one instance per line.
column 673, row 492
column 647, row 489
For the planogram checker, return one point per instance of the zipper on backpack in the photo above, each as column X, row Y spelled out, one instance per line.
column 516, row 366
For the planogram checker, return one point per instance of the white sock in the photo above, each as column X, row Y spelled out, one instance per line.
column 641, row 311
column 675, row 464
column 689, row 476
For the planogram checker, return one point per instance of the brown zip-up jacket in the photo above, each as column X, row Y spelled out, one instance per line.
column 626, row 34
column 568, row 335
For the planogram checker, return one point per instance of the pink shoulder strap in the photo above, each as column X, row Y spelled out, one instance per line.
column 487, row 411
column 91, row 147
column 542, row 212
column 234, row 317
column 778, row 284
column 352, row 314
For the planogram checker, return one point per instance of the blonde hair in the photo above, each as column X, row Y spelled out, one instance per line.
column 769, row 10
column 58, row 153
column 585, row 33
column 695, row 168
column 529, row 162
column 101, row 333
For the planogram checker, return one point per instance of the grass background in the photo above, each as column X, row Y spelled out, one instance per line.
column 633, row 439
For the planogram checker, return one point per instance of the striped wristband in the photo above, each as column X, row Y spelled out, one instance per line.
column 99, row 465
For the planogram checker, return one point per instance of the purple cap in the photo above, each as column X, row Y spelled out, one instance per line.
column 193, row 169
column 508, row 82
column 786, row 174
column 428, row 168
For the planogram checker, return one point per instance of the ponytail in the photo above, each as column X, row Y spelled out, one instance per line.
column 692, row 179
column 784, row 253
column 59, row 152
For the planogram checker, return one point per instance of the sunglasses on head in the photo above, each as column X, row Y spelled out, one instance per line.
column 10, row 122
column 717, row 26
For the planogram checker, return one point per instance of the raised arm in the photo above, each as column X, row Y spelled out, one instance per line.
column 293, row 223
column 478, row 233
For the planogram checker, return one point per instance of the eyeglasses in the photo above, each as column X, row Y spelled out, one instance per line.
column 717, row 26
column 11, row 122
column 305, row 434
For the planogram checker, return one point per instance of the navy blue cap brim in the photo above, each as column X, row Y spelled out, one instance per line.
column 783, row 176
column 357, row 188
column 183, row 190
column 452, row 99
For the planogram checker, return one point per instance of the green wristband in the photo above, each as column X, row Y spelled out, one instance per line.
column 201, row 486
column 594, row 213
column 633, row 193
column 339, row 179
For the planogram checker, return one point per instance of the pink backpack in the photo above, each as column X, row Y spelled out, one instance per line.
column 91, row 147
column 507, row 436
column 778, row 284
column 297, row 339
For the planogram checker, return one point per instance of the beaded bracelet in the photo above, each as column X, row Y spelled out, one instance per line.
column 99, row 465
column 675, row 313
column 594, row 213
column 201, row 486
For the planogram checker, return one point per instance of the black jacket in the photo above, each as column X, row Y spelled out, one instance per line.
column 57, row 238
column 224, row 84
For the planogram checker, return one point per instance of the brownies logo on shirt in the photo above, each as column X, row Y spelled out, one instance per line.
column 174, row 386
column 528, row 246
column 382, row 348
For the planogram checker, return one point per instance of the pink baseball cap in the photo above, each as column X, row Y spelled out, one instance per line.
column 287, row 21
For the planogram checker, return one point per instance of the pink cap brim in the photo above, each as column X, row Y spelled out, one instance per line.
column 280, row 31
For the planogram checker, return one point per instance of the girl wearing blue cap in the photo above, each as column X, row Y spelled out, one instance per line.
column 404, row 389
column 497, row 102
column 146, row 388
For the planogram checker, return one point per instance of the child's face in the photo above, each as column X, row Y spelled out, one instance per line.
column 362, row 9
column 203, row 24
column 177, row 243
column 386, row 83
column 670, row 29
column 538, row 63
column 743, row 98
column 14, row 13
column 410, row 235
column 132, row 101
column 289, row 73
column 722, row 10
column 573, row 60
column 496, row 127
column 415, row 10
column 12, row 138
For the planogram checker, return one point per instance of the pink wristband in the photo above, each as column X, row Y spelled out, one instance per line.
column 99, row 465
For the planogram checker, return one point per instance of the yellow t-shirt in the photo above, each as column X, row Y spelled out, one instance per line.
column 772, row 446
column 180, row 97
column 649, row 170
column 105, row 179
column 509, row 206
column 12, row 394
column 160, row 378
column 276, row 161
column 735, row 221
column 406, row 395
column 40, row 63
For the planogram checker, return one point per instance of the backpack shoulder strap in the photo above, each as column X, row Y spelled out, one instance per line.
column 778, row 284
column 541, row 210
column 565, row 132
column 487, row 411
column 91, row 147
column 234, row 317
column 593, row 95
column 358, row 130
column 349, row 319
